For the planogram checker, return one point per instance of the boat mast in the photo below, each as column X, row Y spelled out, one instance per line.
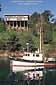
column 41, row 34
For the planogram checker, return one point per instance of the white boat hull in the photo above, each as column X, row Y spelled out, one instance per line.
column 24, row 66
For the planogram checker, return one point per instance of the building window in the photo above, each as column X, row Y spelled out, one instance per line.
column 22, row 23
column 18, row 23
column 8, row 22
column 14, row 23
column 25, row 23
column 11, row 23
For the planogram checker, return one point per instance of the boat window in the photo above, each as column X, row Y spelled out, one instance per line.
column 37, row 55
column 28, row 54
column 37, row 75
column 25, row 54
column 33, row 54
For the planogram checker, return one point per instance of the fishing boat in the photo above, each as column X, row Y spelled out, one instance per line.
column 29, row 61
column 31, row 64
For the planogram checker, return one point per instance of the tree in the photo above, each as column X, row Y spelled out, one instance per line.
column 47, row 26
column 9, row 41
column 33, row 20
column 47, row 15
column 3, row 40
column 13, row 44
column 35, row 23
column 2, row 25
column 48, row 33
column 28, row 37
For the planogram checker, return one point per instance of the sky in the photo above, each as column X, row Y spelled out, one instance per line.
column 27, row 6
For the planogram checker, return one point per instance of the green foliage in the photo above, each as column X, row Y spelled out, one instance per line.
column 2, row 26
column 48, row 34
column 32, row 23
column 35, row 23
column 11, row 39
column 27, row 37
column 54, row 33
column 47, row 15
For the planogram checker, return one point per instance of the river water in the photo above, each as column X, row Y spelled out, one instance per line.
column 7, row 78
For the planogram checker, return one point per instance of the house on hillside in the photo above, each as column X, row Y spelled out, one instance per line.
column 17, row 22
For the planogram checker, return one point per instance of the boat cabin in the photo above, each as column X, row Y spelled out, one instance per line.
column 32, row 56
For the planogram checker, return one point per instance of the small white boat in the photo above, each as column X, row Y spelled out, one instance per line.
column 30, row 61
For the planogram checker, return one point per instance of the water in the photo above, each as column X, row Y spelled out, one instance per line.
column 4, row 69
column 7, row 78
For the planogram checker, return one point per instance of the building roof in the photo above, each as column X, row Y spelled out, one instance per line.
column 17, row 15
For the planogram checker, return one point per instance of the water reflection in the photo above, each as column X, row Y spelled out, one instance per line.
column 7, row 78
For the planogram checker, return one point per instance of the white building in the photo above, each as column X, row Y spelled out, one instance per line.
column 17, row 22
